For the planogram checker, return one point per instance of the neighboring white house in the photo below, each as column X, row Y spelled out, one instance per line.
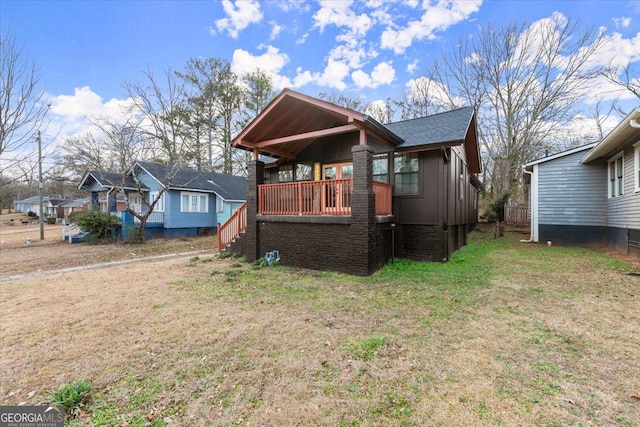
column 590, row 195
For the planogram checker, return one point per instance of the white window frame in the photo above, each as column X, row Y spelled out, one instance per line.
column 636, row 167
column 135, row 202
column 198, row 205
column 219, row 204
column 159, row 207
column 615, row 176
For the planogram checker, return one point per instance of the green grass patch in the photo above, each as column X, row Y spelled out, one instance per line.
column 365, row 348
column 72, row 396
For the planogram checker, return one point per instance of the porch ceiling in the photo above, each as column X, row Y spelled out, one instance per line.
column 293, row 120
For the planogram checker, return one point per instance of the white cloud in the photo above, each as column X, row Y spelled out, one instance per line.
column 340, row 14
column 272, row 62
column 302, row 39
column 382, row 73
column 437, row 17
column 617, row 51
column 412, row 67
column 333, row 75
column 622, row 22
column 275, row 30
column 70, row 114
column 239, row 16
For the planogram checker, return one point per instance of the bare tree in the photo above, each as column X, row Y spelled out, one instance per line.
column 381, row 111
column 627, row 76
column 84, row 152
column 22, row 110
column 123, row 141
column 342, row 100
column 163, row 113
column 424, row 96
column 525, row 82
column 147, row 205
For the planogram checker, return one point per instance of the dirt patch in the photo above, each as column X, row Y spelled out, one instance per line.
column 22, row 251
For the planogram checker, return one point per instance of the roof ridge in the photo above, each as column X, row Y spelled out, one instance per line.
column 430, row 115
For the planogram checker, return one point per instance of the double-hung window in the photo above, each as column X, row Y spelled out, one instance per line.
column 381, row 167
column 405, row 168
column 194, row 202
column 616, row 176
column 159, row 207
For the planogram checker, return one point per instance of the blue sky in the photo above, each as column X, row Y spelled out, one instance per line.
column 85, row 50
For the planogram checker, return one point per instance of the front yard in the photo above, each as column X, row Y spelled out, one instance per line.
column 506, row 333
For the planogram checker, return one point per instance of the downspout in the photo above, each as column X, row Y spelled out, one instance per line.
column 445, row 223
column 531, row 213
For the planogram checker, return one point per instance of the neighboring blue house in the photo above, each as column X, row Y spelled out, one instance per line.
column 590, row 195
column 193, row 202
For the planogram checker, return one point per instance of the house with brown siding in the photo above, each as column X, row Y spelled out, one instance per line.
column 332, row 189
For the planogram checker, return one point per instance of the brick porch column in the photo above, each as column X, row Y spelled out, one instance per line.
column 255, row 177
column 363, row 208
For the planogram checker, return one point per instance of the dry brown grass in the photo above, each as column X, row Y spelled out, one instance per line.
column 505, row 334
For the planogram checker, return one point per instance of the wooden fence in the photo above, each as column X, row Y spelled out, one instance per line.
column 517, row 216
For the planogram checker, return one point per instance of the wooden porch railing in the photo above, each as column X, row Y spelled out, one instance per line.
column 328, row 197
column 383, row 192
column 232, row 228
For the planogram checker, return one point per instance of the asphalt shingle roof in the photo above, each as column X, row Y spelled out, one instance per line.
column 229, row 187
column 113, row 179
column 441, row 128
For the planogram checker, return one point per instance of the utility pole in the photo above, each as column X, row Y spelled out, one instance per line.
column 40, row 187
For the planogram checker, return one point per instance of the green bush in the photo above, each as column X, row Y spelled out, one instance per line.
column 99, row 224
column 72, row 395
column 51, row 220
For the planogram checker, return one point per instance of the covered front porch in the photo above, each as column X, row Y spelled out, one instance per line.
column 313, row 194
column 324, row 197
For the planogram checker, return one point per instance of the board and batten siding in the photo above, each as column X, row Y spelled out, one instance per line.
column 624, row 211
column 572, row 193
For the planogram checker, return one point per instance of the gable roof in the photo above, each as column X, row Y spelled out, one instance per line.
column 450, row 128
column 228, row 187
column 75, row 203
column 441, row 128
column 626, row 132
column 529, row 165
column 108, row 180
column 293, row 120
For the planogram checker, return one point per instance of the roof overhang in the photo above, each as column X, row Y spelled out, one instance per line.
column 529, row 166
column 293, row 120
column 626, row 132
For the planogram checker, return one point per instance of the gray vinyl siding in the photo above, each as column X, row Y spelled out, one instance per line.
column 624, row 211
column 572, row 193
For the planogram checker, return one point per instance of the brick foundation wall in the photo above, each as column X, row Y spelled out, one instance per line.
column 320, row 246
